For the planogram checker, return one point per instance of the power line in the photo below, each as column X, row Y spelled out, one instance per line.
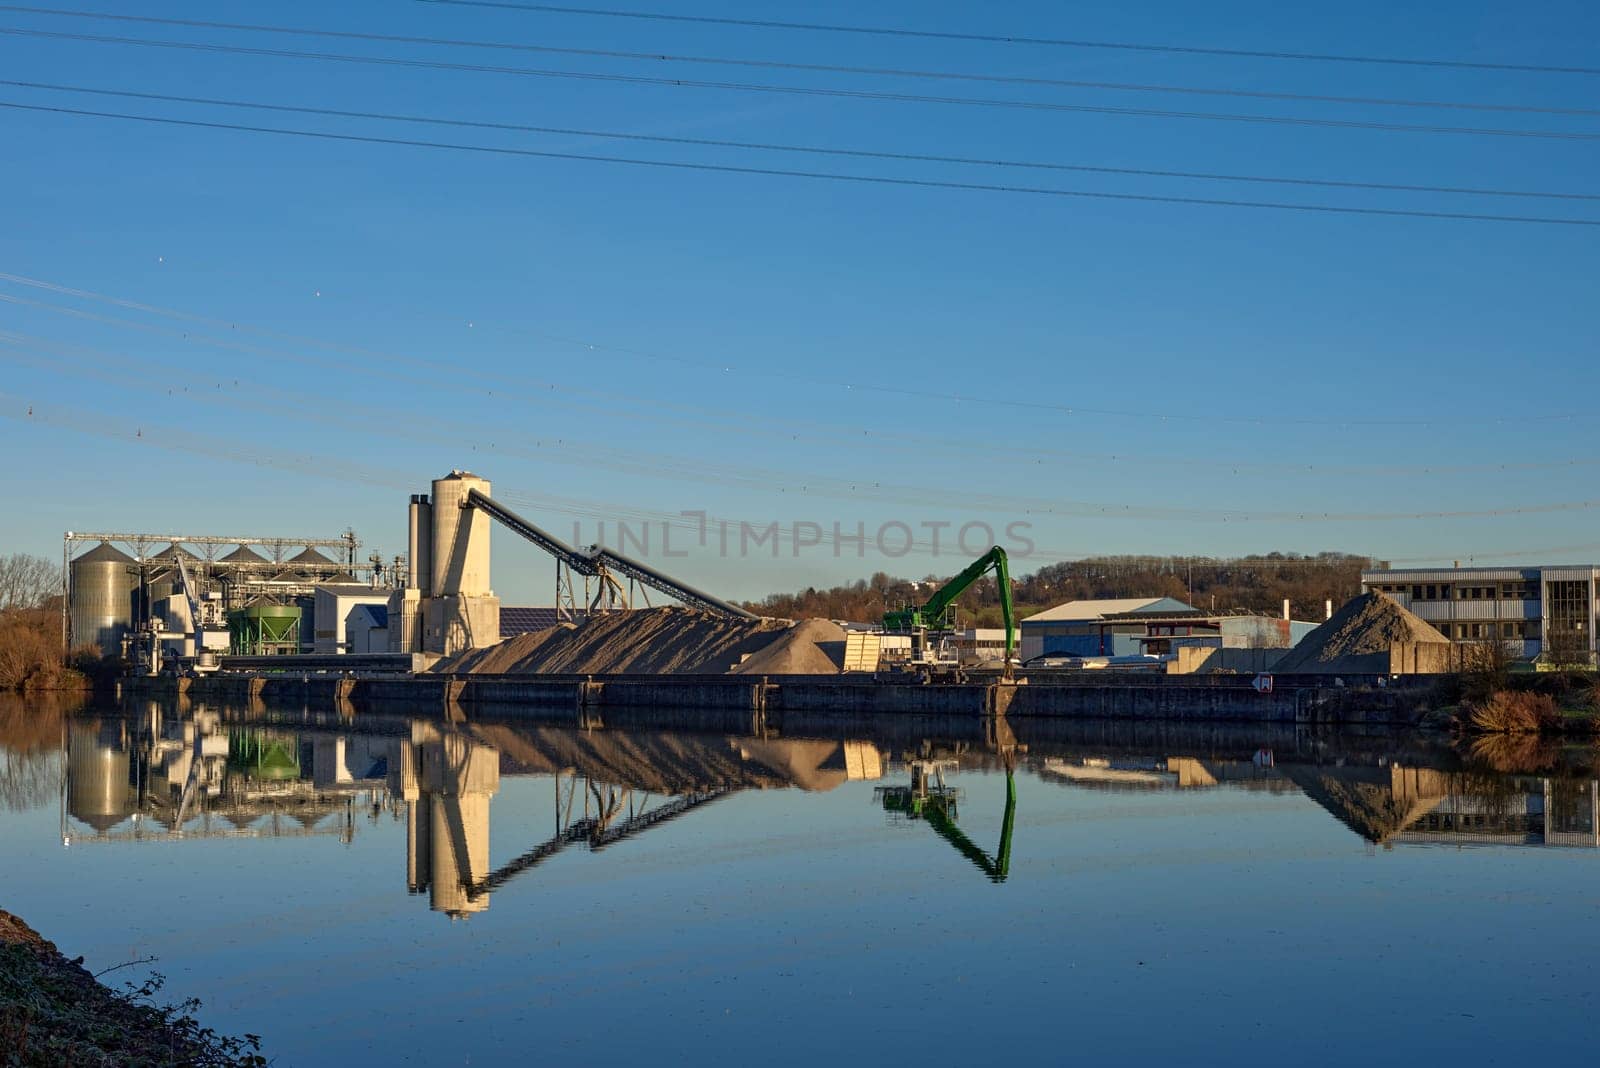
column 796, row 90
column 102, row 424
column 902, row 442
column 705, row 142
column 824, row 68
column 1093, row 510
column 458, row 370
column 775, row 172
column 989, row 38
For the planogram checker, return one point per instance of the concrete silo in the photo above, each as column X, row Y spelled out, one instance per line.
column 101, row 605
column 460, row 611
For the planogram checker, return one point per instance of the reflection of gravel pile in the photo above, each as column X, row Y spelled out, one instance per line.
column 1363, row 799
column 670, row 763
column 1357, row 640
column 663, row 641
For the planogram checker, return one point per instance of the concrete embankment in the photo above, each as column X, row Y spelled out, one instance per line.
column 1144, row 697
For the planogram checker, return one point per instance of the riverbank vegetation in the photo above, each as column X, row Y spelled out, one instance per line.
column 54, row 1012
column 31, row 653
column 1490, row 695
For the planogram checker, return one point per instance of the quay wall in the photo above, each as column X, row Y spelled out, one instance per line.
column 1168, row 698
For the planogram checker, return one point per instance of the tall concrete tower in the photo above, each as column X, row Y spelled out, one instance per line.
column 448, row 605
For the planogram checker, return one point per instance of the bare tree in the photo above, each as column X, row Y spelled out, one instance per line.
column 1567, row 649
column 27, row 581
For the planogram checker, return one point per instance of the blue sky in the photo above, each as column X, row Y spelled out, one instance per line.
column 609, row 341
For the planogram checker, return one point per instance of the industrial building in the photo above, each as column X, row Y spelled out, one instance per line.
column 1109, row 627
column 334, row 608
column 201, row 593
column 446, row 604
column 1537, row 611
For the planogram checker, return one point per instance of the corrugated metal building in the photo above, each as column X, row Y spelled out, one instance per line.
column 1082, row 628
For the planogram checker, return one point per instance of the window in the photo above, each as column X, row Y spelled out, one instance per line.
column 1510, row 630
column 1568, row 613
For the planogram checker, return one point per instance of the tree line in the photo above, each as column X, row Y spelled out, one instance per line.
column 30, row 624
column 1257, row 584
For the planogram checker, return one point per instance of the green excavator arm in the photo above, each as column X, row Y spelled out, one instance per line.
column 934, row 614
column 937, row 815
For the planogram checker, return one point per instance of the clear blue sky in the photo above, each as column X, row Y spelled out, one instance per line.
column 605, row 340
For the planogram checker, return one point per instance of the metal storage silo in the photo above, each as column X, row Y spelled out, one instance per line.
column 311, row 564
column 101, row 606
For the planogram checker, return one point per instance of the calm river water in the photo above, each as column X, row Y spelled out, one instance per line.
column 393, row 890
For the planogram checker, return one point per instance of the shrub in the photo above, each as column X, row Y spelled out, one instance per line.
column 1485, row 669
column 1514, row 712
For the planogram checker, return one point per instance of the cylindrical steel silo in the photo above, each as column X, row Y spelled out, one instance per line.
column 101, row 606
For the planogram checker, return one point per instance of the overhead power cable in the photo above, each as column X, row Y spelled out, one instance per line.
column 901, row 442
column 231, row 328
column 776, row 172
column 103, row 425
column 820, row 68
column 812, row 91
column 1093, row 510
column 706, row 142
column 1018, row 39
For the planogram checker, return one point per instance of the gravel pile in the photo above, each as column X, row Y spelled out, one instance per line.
column 1357, row 640
column 663, row 641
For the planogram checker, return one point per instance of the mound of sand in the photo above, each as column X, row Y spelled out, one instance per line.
column 663, row 641
column 667, row 763
column 1357, row 640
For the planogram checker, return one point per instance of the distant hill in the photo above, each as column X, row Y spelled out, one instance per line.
column 1257, row 583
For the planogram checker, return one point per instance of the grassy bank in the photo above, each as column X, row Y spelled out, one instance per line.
column 1490, row 697
column 54, row 1012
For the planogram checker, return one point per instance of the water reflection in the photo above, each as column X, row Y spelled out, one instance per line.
column 182, row 773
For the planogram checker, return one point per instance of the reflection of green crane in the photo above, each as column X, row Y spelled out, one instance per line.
column 939, row 612
column 937, row 805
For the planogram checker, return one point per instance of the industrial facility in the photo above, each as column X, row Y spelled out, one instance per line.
column 186, row 595
column 177, row 603
column 1156, row 628
column 1538, row 611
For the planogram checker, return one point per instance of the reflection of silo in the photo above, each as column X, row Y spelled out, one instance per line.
column 460, row 851
column 266, row 756
column 404, row 781
column 459, row 777
column 419, row 844
column 101, row 606
column 98, row 792
column 460, row 537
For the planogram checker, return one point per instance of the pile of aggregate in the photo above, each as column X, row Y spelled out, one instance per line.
column 1357, row 639
column 663, row 641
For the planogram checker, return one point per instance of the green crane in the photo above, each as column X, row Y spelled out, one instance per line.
column 939, row 612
